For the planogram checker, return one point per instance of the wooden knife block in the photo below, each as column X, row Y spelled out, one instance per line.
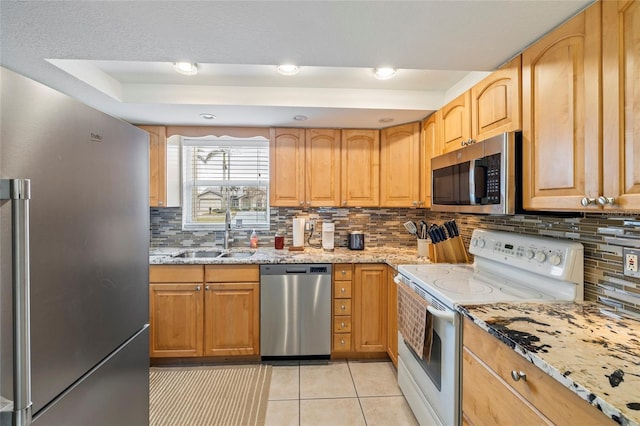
column 449, row 251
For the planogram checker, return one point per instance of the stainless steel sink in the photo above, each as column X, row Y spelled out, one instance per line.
column 239, row 254
column 200, row 254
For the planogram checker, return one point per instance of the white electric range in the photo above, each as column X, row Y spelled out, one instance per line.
column 508, row 267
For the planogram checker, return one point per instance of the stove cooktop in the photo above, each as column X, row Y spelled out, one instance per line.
column 508, row 267
column 459, row 285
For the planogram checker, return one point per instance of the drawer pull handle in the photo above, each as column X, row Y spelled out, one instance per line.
column 343, row 307
column 517, row 375
column 343, row 325
column 342, row 290
column 344, row 272
column 342, row 341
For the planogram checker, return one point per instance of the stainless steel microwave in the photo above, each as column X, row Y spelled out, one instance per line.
column 479, row 178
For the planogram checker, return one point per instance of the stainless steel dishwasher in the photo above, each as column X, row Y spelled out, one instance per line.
column 295, row 310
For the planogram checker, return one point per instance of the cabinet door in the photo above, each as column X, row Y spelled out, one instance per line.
column 360, row 168
column 157, row 165
column 232, row 319
column 370, row 308
column 175, row 320
column 495, row 102
column 286, row 153
column 429, row 148
column 487, row 400
column 621, row 103
column 455, row 122
column 392, row 316
column 322, row 168
column 400, row 166
column 561, row 115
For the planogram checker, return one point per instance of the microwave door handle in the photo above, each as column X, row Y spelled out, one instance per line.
column 18, row 191
column 472, row 182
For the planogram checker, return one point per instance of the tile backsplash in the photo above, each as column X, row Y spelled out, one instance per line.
column 603, row 237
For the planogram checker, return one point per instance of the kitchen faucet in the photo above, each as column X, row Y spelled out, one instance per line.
column 227, row 228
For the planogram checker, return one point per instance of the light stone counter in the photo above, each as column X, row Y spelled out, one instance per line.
column 262, row 255
column 593, row 353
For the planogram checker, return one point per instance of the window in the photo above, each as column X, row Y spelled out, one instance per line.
column 225, row 173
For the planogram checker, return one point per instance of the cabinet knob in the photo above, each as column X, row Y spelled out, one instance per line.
column 160, row 203
column 343, row 325
column 302, row 203
column 343, row 307
column 517, row 375
column 603, row 201
column 342, row 290
column 587, row 201
column 414, row 202
column 206, row 288
column 344, row 203
column 197, row 288
column 343, row 272
column 342, row 341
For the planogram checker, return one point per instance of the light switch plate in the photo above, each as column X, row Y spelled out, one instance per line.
column 630, row 262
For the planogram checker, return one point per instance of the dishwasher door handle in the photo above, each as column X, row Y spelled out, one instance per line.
column 296, row 271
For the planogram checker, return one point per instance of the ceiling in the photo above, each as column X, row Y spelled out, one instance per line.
column 117, row 56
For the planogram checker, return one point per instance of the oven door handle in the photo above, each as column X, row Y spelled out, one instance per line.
column 445, row 315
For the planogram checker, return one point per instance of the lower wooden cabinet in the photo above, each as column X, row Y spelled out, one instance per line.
column 392, row 316
column 342, row 319
column 491, row 396
column 211, row 310
column 370, row 308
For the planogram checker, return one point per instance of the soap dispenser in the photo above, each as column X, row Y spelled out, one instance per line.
column 253, row 240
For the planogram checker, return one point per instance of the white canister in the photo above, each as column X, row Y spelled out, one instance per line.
column 328, row 233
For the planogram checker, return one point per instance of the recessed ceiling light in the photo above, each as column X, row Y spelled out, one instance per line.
column 186, row 68
column 385, row 120
column 300, row 117
column 207, row 116
column 288, row 69
column 384, row 73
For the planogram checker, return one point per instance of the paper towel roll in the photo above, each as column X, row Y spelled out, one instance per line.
column 298, row 232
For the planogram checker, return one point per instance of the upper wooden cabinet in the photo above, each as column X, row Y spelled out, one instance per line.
column 621, row 105
column 157, row 165
column 400, row 166
column 360, row 168
column 286, row 182
column 495, row 102
column 305, row 167
column 454, row 122
column 429, row 148
column 561, row 115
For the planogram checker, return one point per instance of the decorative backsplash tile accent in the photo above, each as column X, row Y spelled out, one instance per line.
column 603, row 236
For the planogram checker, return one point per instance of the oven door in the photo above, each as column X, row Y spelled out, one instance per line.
column 432, row 388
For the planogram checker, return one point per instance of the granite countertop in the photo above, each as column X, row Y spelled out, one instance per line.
column 594, row 353
column 391, row 256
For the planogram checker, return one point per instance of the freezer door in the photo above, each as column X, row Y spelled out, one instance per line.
column 89, row 232
column 115, row 393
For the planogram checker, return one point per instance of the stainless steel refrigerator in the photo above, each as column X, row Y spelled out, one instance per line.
column 87, row 263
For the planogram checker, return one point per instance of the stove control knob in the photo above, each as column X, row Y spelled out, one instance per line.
column 540, row 256
column 480, row 242
column 555, row 259
column 530, row 254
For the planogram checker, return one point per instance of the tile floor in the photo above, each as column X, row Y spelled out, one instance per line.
column 336, row 393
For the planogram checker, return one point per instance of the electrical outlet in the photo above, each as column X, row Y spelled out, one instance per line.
column 630, row 260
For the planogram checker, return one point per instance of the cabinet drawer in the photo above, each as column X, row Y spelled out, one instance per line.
column 555, row 401
column 231, row 273
column 342, row 307
column 342, row 324
column 342, row 271
column 342, row 289
column 342, row 342
column 176, row 273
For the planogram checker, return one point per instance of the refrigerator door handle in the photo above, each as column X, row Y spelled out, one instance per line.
column 19, row 192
